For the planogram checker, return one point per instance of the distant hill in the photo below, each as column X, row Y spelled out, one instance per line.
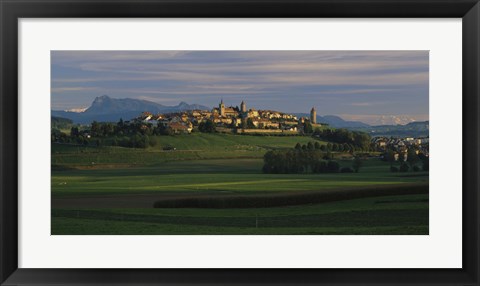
column 339, row 122
column 336, row 121
column 105, row 108
column 412, row 129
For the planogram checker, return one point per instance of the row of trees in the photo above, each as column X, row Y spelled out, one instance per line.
column 342, row 136
column 122, row 128
column 294, row 161
column 108, row 129
column 407, row 160
column 298, row 161
column 329, row 147
column 135, row 141
column 131, row 134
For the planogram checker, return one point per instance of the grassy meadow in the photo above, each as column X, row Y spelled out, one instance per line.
column 112, row 190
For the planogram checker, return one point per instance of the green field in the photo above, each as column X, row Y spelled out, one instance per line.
column 111, row 190
column 188, row 147
column 379, row 215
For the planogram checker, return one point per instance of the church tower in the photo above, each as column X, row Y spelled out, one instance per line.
column 313, row 116
column 243, row 107
column 221, row 108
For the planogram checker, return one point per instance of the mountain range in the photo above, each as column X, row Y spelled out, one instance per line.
column 392, row 120
column 412, row 129
column 335, row 121
column 105, row 108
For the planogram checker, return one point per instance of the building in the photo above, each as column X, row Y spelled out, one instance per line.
column 313, row 115
column 221, row 108
column 223, row 111
column 252, row 113
column 229, row 112
column 243, row 107
column 179, row 128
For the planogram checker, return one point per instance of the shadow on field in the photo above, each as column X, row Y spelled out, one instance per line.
column 360, row 218
column 290, row 198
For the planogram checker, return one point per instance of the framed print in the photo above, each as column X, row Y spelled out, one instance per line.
column 164, row 142
column 237, row 142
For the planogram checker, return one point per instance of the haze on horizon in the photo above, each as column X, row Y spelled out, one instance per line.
column 357, row 85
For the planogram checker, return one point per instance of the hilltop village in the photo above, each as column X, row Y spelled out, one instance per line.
column 232, row 119
column 140, row 132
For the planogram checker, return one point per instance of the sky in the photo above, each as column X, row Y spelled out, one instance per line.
column 354, row 84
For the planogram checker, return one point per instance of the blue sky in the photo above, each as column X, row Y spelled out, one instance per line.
column 348, row 83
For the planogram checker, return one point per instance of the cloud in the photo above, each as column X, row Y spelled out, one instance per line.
column 362, row 103
column 72, row 88
column 296, row 68
column 275, row 76
column 72, row 58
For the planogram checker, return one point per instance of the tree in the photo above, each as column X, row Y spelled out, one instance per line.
column 163, row 130
column 401, row 157
column 340, row 148
column 344, row 136
column 310, row 146
column 362, row 140
column 95, row 128
column 422, row 156
column 74, row 132
column 389, row 156
column 412, row 157
column 250, row 124
column 307, row 128
column 323, row 148
column 329, row 147
column 297, row 161
column 207, row 126
column 357, row 163
column 298, row 146
column 335, row 147
column 351, row 148
column 317, row 145
column 243, row 124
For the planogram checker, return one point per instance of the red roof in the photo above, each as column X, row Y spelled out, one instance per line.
column 176, row 125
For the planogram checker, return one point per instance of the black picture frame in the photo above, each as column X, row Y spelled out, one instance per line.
column 11, row 11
